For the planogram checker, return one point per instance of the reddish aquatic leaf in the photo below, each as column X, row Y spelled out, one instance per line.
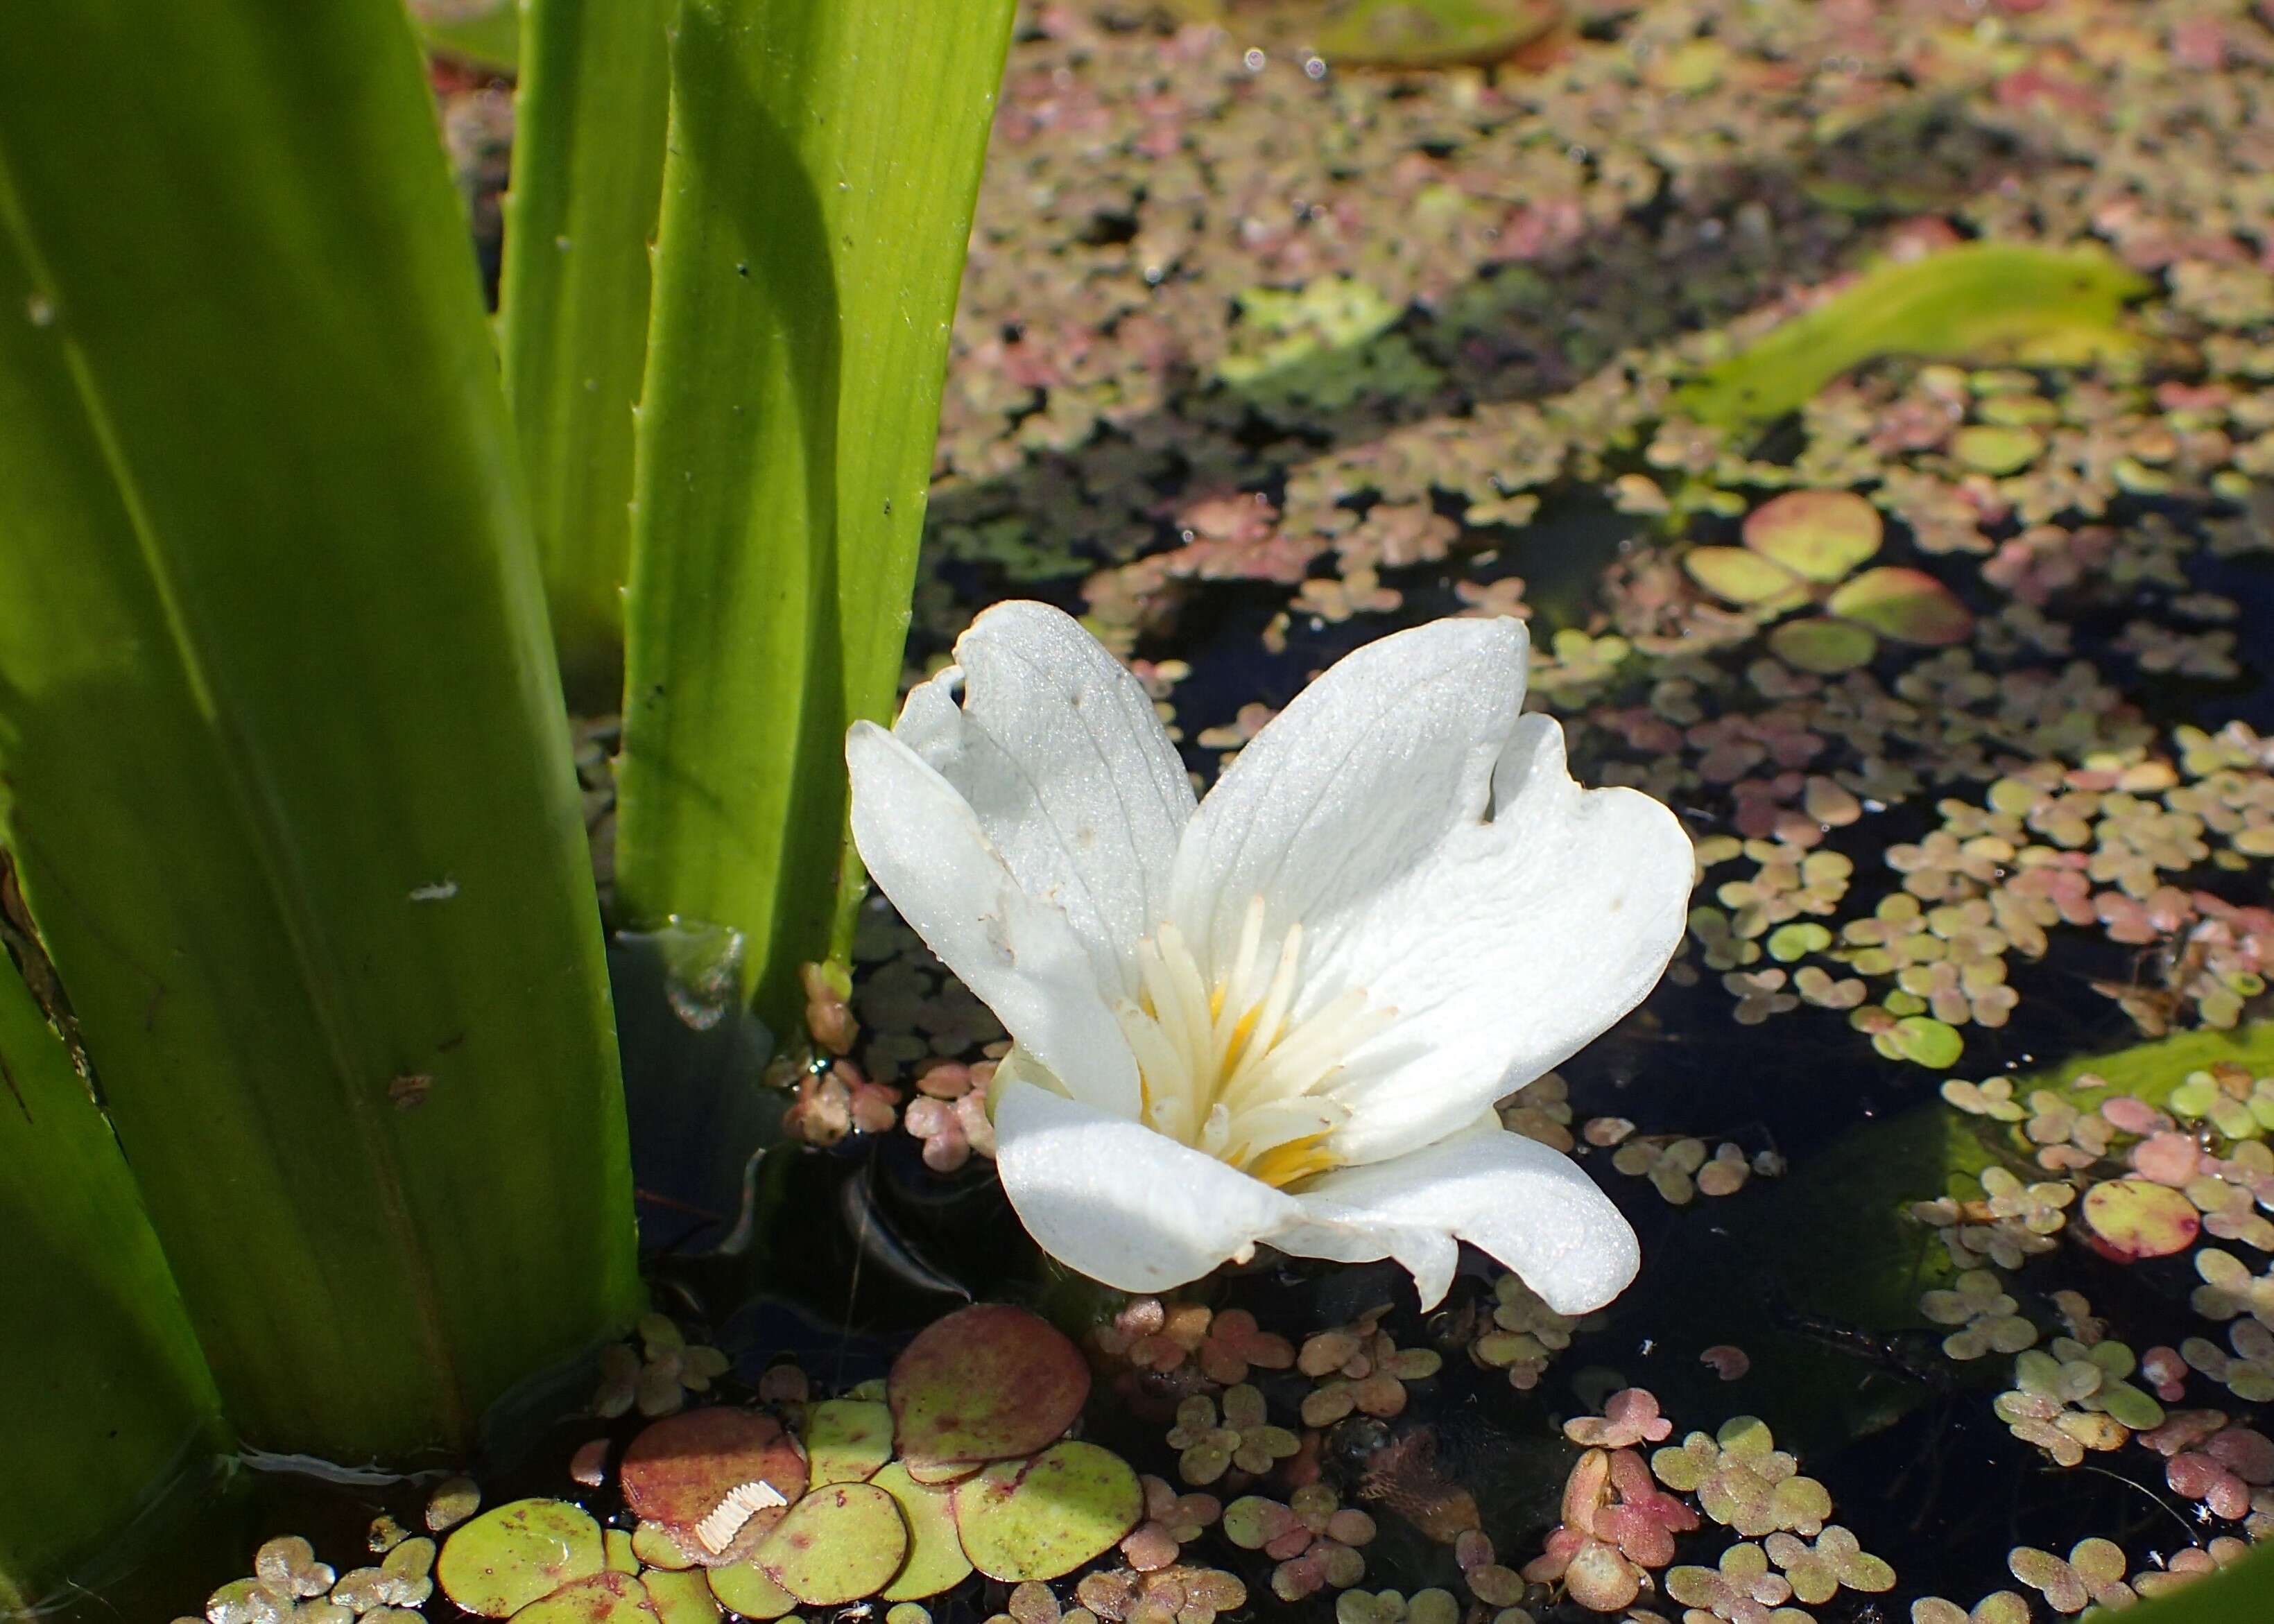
column 1821, row 535
column 984, row 1384
column 2128, row 1219
column 717, row 1479
column 1908, row 606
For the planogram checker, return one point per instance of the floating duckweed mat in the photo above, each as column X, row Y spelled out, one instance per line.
column 1869, row 409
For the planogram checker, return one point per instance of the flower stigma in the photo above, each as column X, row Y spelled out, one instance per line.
column 1226, row 1065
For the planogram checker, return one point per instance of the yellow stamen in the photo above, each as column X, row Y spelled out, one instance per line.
column 1283, row 1165
column 1224, row 1063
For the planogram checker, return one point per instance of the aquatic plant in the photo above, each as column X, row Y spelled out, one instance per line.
column 291, row 801
column 1293, row 1002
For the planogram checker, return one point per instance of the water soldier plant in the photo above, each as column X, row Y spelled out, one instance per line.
column 1866, row 409
column 288, row 785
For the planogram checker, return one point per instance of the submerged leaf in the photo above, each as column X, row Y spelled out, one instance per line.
column 1975, row 302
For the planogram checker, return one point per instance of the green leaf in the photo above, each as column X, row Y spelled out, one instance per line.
column 289, row 781
column 483, row 33
column 572, row 304
column 109, row 1405
column 1979, row 301
column 824, row 159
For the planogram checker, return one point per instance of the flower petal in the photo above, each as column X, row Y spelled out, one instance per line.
column 1528, row 1205
column 924, row 846
column 1122, row 1204
column 1073, row 779
column 1356, row 782
column 1505, row 949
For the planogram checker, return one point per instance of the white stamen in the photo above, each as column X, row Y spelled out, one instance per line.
column 1225, row 1067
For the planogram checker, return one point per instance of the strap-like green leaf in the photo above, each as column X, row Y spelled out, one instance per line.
column 108, row 1405
column 288, row 778
column 824, row 158
column 572, row 307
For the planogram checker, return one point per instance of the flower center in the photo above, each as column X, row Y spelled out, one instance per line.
column 1226, row 1066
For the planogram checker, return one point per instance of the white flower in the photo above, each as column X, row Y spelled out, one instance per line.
column 1282, row 1015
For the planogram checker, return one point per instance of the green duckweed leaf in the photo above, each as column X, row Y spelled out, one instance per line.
column 1817, row 535
column 1908, row 606
column 1039, row 1519
column 1923, row 1041
column 986, row 1383
column 1797, row 940
column 838, row 1545
column 935, row 1560
column 517, row 1553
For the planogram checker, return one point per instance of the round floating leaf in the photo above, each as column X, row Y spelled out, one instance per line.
column 1923, row 1041
column 1737, row 576
column 510, row 1557
column 986, row 1383
column 746, row 1589
column 652, row 1544
column 935, row 1559
column 604, row 1599
column 847, row 1440
column 681, row 1597
column 2129, row 1219
column 1908, row 606
column 836, row 1544
column 1817, row 535
column 682, row 1470
column 1826, row 647
column 618, row 1545
column 1997, row 449
column 1048, row 1516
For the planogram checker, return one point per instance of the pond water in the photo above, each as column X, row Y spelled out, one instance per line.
column 1943, row 626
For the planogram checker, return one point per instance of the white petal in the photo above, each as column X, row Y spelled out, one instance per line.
column 924, row 846
column 1343, row 793
column 1528, row 1205
column 1507, row 948
column 1121, row 1203
column 1068, row 768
